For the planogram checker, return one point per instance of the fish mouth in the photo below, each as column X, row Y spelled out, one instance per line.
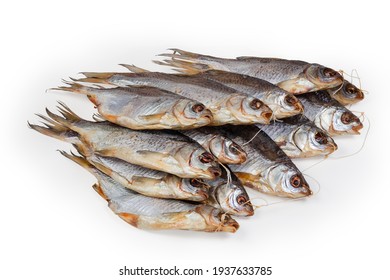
column 267, row 116
column 215, row 172
column 331, row 147
column 356, row 129
column 230, row 225
column 202, row 194
column 291, row 101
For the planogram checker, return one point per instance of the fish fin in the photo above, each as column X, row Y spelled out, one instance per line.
column 101, row 167
column 134, row 69
column 73, row 86
column 83, row 149
column 98, row 118
column 95, row 77
column 67, row 112
column 99, row 190
column 56, row 130
column 152, row 119
column 184, row 67
column 177, row 53
column 132, row 219
column 80, row 160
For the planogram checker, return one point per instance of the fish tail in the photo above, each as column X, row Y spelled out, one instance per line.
column 75, row 87
column 134, row 69
column 83, row 162
column 56, row 130
column 185, row 67
column 180, row 54
column 80, row 160
column 95, row 77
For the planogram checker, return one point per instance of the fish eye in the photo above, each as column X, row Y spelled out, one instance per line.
column 197, row 108
column 234, row 148
column 295, row 181
column 329, row 73
column 350, row 90
column 290, row 100
column 206, row 157
column 197, row 183
column 321, row 138
column 256, row 104
column 347, row 118
column 241, row 199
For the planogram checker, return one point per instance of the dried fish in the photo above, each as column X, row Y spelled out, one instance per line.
column 156, row 213
column 347, row 94
column 329, row 115
column 160, row 150
column 145, row 107
column 282, row 103
column 293, row 76
column 299, row 137
column 267, row 169
column 146, row 181
column 226, row 104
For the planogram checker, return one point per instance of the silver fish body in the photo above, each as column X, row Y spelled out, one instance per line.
column 282, row 103
column 160, row 150
column 347, row 94
column 267, row 169
column 299, row 137
column 223, row 148
column 329, row 115
column 226, row 104
column 156, row 213
column 293, row 76
column 150, row 182
column 145, row 107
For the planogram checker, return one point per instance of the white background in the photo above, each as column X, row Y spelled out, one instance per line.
column 54, row 226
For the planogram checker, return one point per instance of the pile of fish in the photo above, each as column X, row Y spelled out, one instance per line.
column 175, row 151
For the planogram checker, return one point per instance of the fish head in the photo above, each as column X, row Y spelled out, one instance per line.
column 216, row 220
column 233, row 198
column 348, row 94
column 287, row 181
column 198, row 162
column 339, row 121
column 321, row 77
column 188, row 112
column 313, row 141
column 289, row 105
column 247, row 109
column 196, row 188
column 226, row 151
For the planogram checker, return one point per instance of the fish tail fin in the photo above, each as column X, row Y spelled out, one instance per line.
column 73, row 86
column 67, row 120
column 80, row 160
column 180, row 54
column 189, row 62
column 185, row 67
column 56, row 130
column 134, row 69
column 95, row 77
column 83, row 162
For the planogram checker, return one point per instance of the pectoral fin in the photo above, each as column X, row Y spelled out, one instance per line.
column 152, row 119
